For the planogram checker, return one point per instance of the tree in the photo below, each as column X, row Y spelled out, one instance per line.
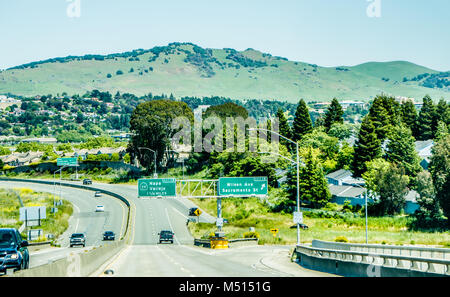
column 341, row 131
column 442, row 114
column 150, row 124
column 334, row 114
column 384, row 113
column 391, row 186
column 409, row 116
column 426, row 119
column 284, row 129
column 401, row 151
column 367, row 147
column 440, row 172
column 429, row 211
column 302, row 121
column 313, row 184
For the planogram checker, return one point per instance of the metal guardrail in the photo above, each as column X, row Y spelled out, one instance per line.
column 432, row 266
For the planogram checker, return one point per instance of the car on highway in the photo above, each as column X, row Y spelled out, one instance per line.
column 100, row 208
column 87, row 181
column 98, row 194
column 13, row 251
column 78, row 239
column 302, row 226
column 109, row 235
column 166, row 235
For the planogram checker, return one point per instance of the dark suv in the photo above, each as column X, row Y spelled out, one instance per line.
column 109, row 235
column 78, row 239
column 166, row 236
column 87, row 181
column 13, row 251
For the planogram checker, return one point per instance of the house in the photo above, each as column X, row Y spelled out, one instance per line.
column 22, row 159
column 355, row 195
column 343, row 177
column 423, row 149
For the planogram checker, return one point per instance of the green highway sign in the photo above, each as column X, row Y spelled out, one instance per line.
column 242, row 186
column 67, row 162
column 164, row 187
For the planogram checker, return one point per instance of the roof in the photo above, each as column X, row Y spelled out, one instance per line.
column 423, row 148
column 340, row 174
column 346, row 191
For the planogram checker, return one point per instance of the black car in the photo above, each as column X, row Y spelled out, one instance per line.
column 87, row 181
column 109, row 235
column 302, row 226
column 78, row 239
column 13, row 251
column 166, row 236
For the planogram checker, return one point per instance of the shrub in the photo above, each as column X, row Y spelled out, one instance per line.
column 341, row 239
column 251, row 235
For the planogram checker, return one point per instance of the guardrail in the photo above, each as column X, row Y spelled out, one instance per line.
column 412, row 251
column 362, row 264
column 83, row 264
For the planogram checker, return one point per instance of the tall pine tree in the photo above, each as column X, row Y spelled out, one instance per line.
column 302, row 122
column 334, row 114
column 284, row 129
column 426, row 120
column 367, row 147
column 409, row 116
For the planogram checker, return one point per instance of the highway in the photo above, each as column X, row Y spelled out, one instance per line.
column 146, row 257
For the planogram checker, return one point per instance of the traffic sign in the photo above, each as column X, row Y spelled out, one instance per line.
column 219, row 222
column 197, row 212
column 298, row 217
column 243, row 186
column 67, row 162
column 274, row 231
column 164, row 187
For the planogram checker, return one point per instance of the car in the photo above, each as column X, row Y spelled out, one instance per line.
column 87, row 181
column 166, row 235
column 98, row 194
column 192, row 211
column 302, row 226
column 13, row 251
column 100, row 208
column 109, row 235
column 78, row 239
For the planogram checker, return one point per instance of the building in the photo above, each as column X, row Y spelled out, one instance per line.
column 355, row 195
column 424, row 150
column 343, row 177
column 22, row 159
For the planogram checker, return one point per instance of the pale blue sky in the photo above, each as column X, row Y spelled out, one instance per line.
column 324, row 32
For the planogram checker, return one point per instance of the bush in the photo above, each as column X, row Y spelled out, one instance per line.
column 251, row 235
column 341, row 239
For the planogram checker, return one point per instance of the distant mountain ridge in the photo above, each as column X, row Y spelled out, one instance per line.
column 185, row 69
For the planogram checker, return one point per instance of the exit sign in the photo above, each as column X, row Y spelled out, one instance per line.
column 243, row 186
column 156, row 187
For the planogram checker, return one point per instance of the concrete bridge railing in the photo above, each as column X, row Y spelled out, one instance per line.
column 365, row 263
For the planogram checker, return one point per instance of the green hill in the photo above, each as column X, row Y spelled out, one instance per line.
column 185, row 69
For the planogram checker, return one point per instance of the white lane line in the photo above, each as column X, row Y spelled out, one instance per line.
column 167, row 214
column 78, row 217
column 180, row 213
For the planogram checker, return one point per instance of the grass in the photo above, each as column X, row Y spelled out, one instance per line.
column 54, row 224
column 251, row 212
column 289, row 80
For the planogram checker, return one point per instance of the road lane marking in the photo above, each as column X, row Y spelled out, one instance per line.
column 167, row 214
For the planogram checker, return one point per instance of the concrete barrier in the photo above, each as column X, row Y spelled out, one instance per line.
column 365, row 264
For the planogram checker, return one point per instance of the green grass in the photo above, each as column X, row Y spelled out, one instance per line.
column 251, row 212
column 288, row 81
column 54, row 224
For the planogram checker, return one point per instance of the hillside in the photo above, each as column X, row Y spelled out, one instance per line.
column 185, row 69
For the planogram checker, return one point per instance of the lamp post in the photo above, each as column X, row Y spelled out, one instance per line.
column 298, row 171
column 154, row 154
column 54, row 185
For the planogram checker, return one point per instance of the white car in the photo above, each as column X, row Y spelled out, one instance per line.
column 100, row 208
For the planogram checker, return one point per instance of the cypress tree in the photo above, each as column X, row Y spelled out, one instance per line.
column 284, row 128
column 334, row 114
column 367, row 147
column 409, row 116
column 302, row 121
column 384, row 113
column 401, row 151
column 426, row 119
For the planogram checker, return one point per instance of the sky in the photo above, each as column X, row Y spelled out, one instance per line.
column 324, row 32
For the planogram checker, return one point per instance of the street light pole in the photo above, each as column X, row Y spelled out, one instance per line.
column 154, row 153
column 298, row 171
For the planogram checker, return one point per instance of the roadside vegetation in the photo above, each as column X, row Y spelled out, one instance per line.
column 10, row 203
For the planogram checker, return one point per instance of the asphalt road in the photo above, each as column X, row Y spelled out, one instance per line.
column 84, row 220
column 146, row 257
